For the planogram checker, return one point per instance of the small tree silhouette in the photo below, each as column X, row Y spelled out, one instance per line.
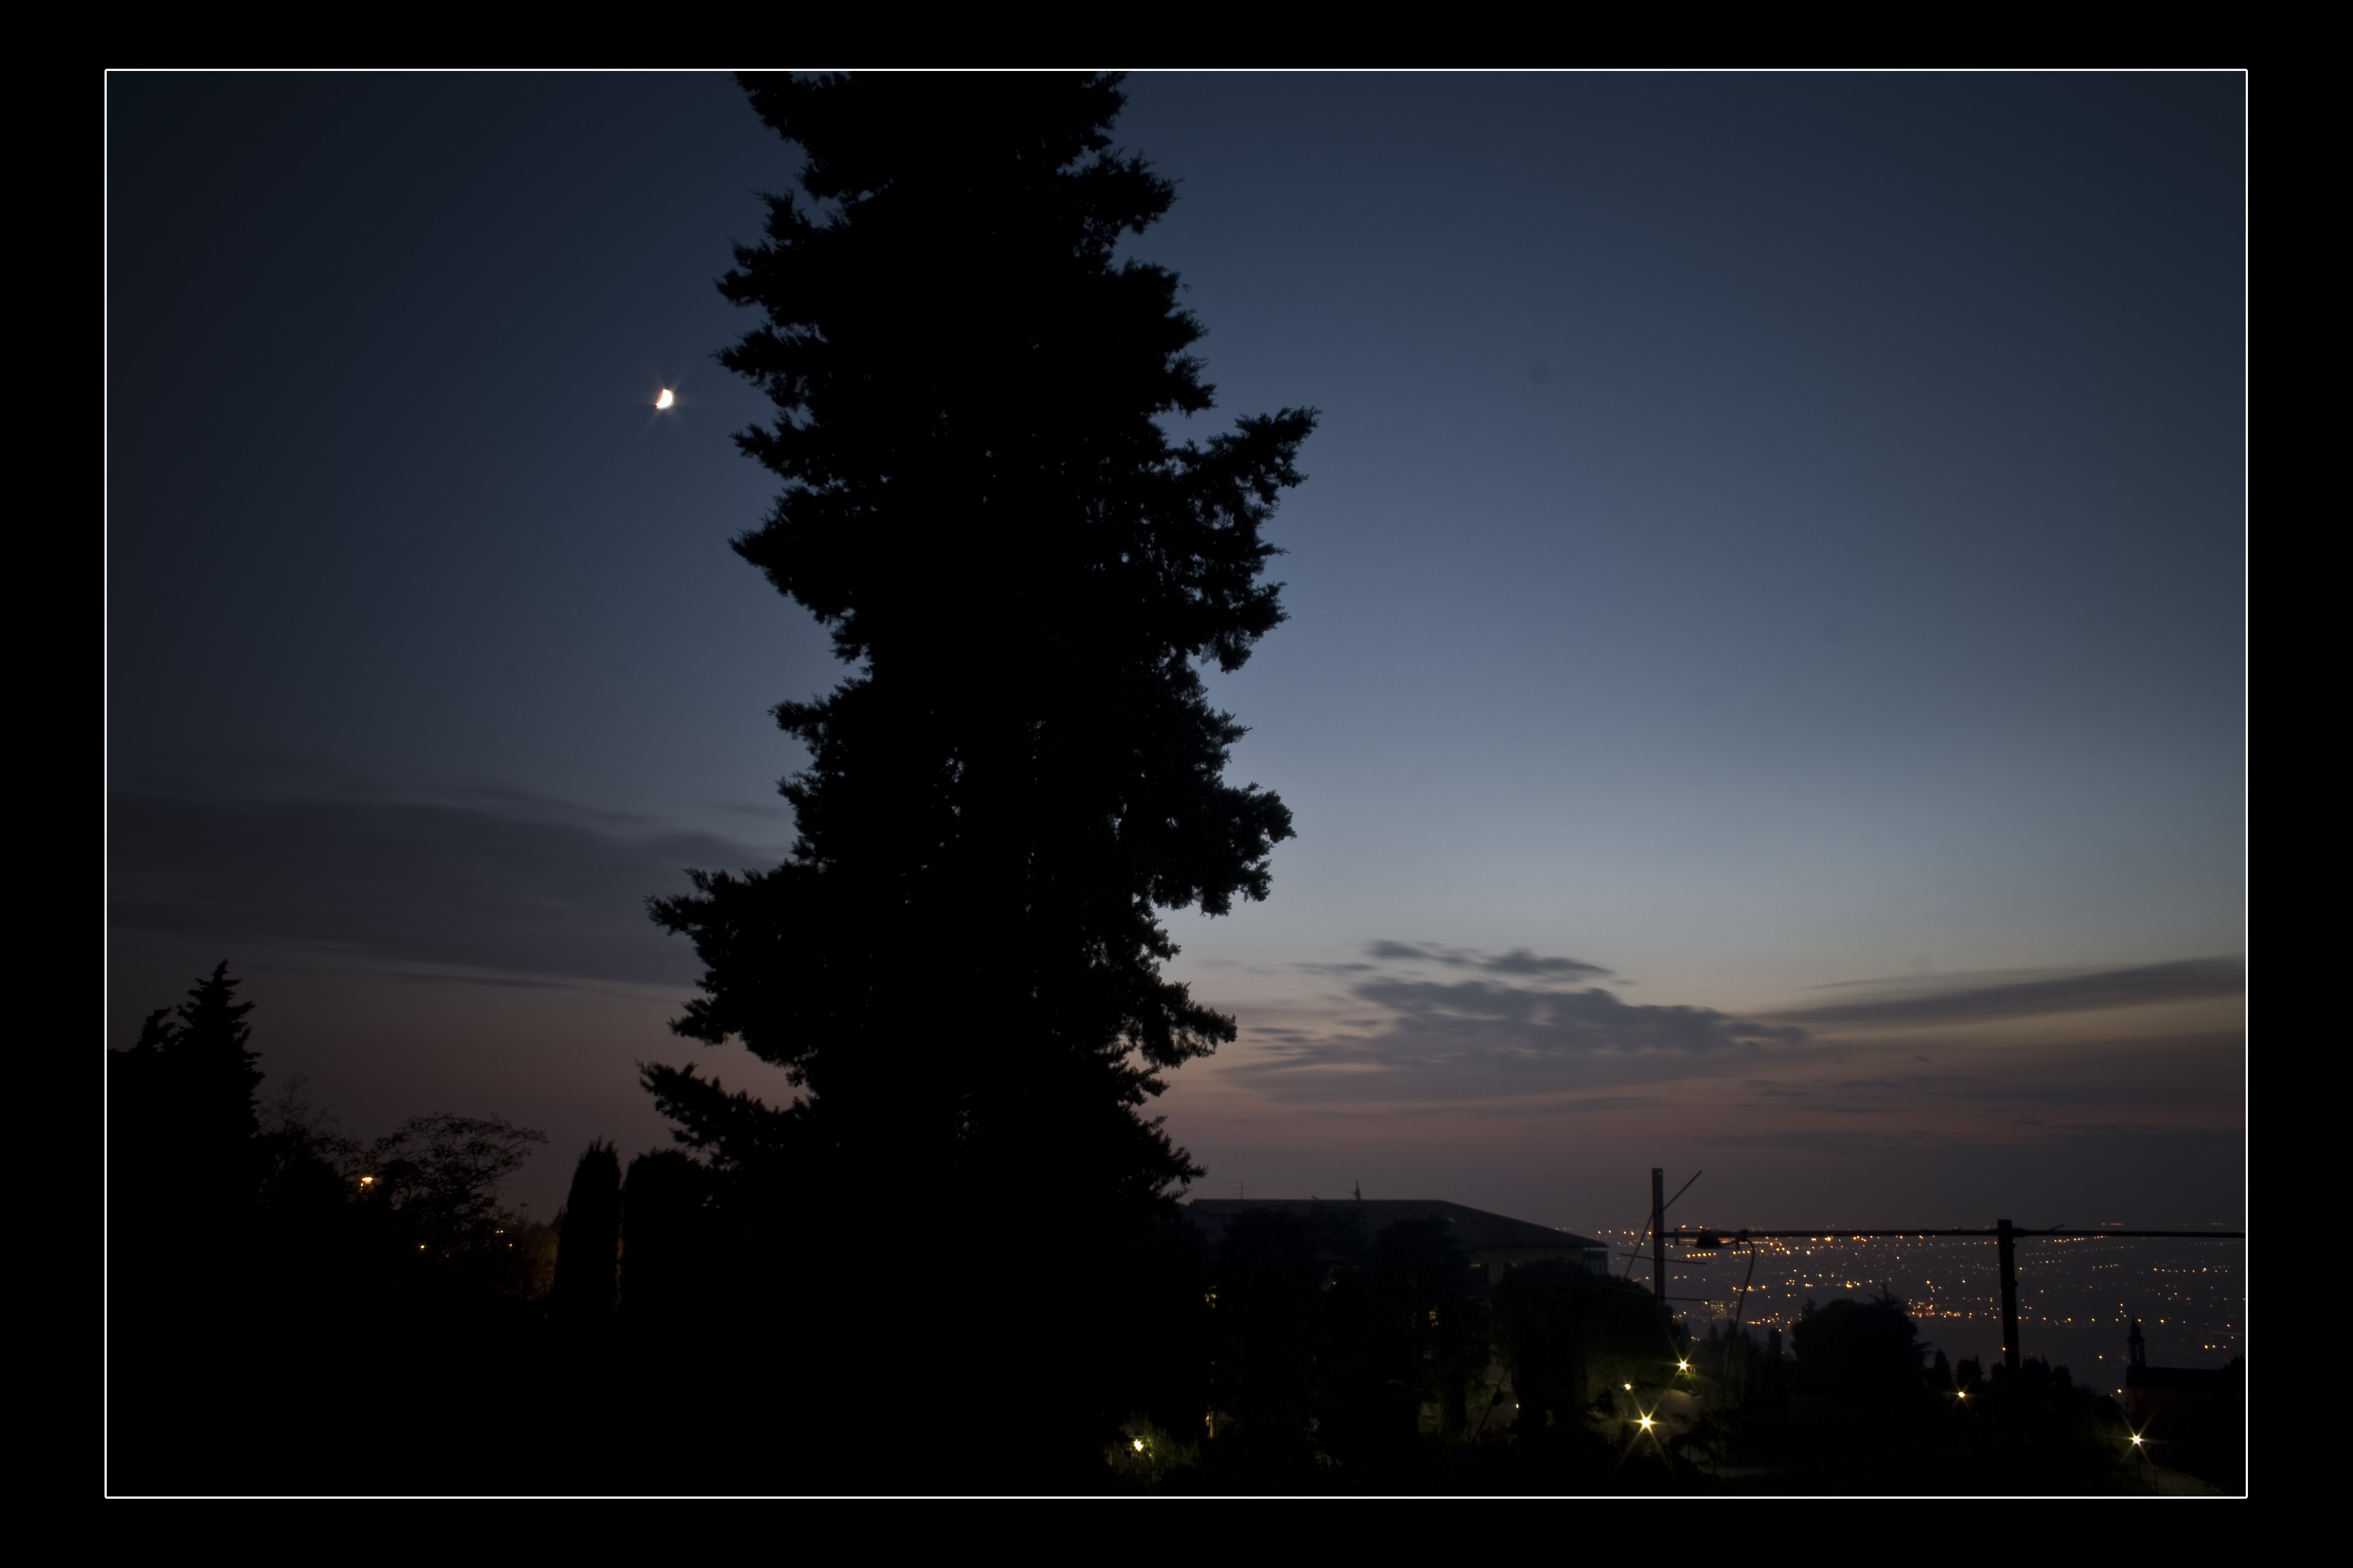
column 443, row 1173
column 1859, row 1351
column 184, row 1163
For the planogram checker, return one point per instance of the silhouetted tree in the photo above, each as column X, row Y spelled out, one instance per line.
column 1737, row 1365
column 667, row 1244
column 1561, row 1333
column 1772, row 1389
column 303, row 1164
column 1431, row 1329
column 589, row 1240
column 265, row 1304
column 442, row 1174
column 961, row 961
column 1546, row 1314
column 138, row 1122
column 184, row 1118
column 1864, row 1352
column 217, row 1064
column 184, row 1166
column 1266, row 1312
column 1166, row 1277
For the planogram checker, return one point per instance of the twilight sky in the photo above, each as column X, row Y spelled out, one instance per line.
column 1764, row 689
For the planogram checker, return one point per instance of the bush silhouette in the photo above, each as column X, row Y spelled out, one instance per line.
column 1858, row 1351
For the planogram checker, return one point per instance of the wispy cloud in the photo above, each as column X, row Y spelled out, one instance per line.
column 1984, row 999
column 1519, row 960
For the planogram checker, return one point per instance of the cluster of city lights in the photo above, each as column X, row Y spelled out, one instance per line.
column 1954, row 1284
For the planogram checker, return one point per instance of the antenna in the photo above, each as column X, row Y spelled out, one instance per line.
column 1359, row 1190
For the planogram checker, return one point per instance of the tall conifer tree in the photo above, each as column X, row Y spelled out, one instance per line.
column 185, row 1119
column 961, row 961
column 218, row 1069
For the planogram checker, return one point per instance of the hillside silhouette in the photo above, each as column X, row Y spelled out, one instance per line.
column 348, row 1317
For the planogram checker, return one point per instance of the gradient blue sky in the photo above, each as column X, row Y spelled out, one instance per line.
column 1764, row 689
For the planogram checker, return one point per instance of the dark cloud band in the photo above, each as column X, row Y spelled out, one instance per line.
column 1910, row 1006
column 1519, row 961
column 1508, row 1026
column 512, row 886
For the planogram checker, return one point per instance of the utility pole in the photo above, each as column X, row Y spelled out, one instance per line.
column 2003, row 1232
column 1658, row 1233
column 2012, row 1395
column 2008, row 1236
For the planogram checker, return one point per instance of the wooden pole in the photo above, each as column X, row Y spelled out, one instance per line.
column 1658, row 1233
column 2012, row 1395
column 2008, row 1238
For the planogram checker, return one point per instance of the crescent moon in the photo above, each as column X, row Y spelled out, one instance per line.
column 666, row 399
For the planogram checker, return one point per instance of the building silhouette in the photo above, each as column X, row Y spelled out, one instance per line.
column 2177, row 1396
column 1496, row 1242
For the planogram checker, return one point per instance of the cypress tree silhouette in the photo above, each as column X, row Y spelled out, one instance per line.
column 961, row 961
column 667, row 1245
column 588, row 1241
